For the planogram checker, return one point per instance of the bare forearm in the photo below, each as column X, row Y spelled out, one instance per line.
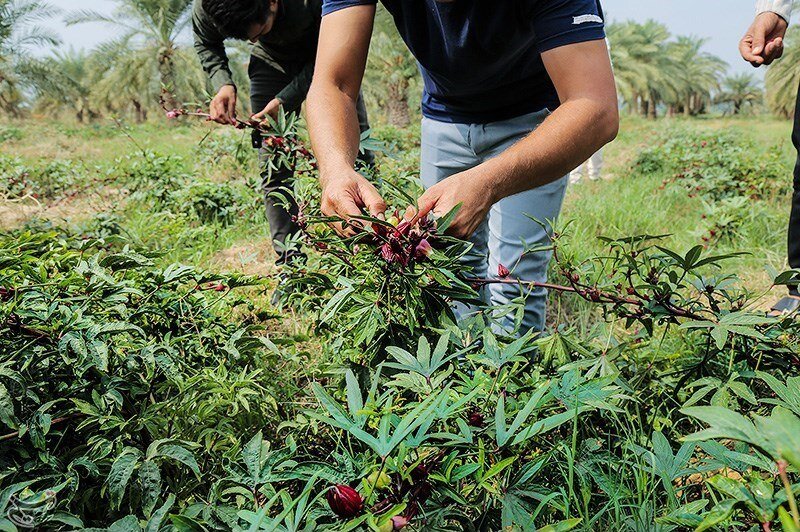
column 575, row 131
column 332, row 110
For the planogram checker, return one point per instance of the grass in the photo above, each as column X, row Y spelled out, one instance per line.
column 626, row 203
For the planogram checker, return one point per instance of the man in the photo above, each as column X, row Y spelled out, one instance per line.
column 516, row 94
column 284, row 33
column 761, row 45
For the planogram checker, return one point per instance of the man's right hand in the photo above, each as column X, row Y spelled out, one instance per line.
column 763, row 42
column 223, row 106
column 348, row 194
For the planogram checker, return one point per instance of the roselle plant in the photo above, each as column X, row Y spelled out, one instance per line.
column 388, row 284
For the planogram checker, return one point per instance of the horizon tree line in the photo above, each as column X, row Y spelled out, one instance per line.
column 658, row 74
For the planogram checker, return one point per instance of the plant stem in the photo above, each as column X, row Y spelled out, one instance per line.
column 782, row 464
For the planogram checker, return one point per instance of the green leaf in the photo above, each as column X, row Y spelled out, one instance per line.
column 7, row 409
column 150, row 482
column 562, row 526
column 718, row 514
column 120, row 474
column 182, row 455
column 154, row 524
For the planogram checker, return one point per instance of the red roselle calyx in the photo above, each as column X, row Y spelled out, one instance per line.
column 405, row 242
column 502, row 271
column 344, row 501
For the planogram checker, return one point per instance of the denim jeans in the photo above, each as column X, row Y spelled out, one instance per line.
column 448, row 149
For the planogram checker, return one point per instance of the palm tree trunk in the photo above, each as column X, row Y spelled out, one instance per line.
column 141, row 113
column 652, row 111
column 397, row 104
column 166, row 71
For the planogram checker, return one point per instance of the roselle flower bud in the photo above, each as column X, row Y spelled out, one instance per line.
column 419, row 473
column 502, row 271
column 172, row 114
column 344, row 501
column 404, row 227
column 387, row 253
column 475, row 419
column 423, row 249
column 219, row 287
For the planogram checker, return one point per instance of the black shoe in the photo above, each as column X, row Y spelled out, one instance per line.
column 787, row 305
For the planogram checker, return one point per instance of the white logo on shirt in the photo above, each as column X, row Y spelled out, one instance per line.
column 583, row 19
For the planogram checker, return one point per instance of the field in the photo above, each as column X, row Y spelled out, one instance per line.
column 147, row 382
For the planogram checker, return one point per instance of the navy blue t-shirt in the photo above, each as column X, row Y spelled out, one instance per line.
column 481, row 59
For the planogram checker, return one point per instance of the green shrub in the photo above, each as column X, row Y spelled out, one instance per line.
column 211, row 202
column 153, row 177
column 715, row 165
column 10, row 133
column 120, row 381
column 43, row 181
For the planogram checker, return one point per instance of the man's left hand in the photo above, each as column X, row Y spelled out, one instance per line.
column 466, row 190
column 272, row 109
column 763, row 42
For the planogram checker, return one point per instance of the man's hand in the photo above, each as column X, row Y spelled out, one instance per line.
column 272, row 109
column 466, row 190
column 345, row 195
column 763, row 42
column 223, row 106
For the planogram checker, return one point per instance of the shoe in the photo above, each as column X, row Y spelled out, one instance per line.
column 787, row 305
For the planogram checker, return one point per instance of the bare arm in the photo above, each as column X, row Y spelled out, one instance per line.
column 586, row 120
column 331, row 109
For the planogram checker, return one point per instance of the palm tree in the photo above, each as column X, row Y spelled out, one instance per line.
column 740, row 90
column 783, row 77
column 64, row 81
column 18, row 33
column 644, row 72
column 131, row 80
column 652, row 69
column 696, row 74
column 392, row 70
column 152, row 25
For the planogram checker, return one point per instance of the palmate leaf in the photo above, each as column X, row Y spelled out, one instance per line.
column 778, row 434
column 504, row 434
column 390, row 435
column 788, row 394
column 425, row 363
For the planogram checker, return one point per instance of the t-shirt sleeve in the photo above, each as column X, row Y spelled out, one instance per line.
column 329, row 6
column 562, row 22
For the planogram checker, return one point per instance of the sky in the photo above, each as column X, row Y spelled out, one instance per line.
column 722, row 22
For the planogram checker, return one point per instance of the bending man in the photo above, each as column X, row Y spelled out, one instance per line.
column 516, row 94
column 285, row 34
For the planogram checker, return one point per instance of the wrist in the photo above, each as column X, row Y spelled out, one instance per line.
column 490, row 180
column 335, row 174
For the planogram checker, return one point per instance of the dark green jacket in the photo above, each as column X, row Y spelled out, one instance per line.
column 292, row 41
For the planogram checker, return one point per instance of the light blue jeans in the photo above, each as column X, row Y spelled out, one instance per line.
column 448, row 149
